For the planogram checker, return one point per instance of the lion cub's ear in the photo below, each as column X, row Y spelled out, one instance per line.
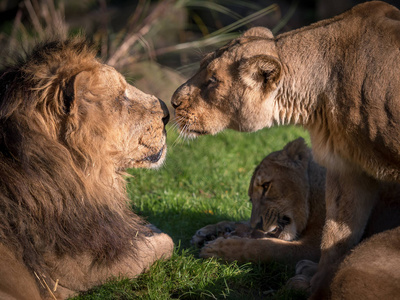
column 261, row 32
column 261, row 72
column 298, row 152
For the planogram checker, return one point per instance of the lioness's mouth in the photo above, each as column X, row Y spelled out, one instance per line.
column 198, row 132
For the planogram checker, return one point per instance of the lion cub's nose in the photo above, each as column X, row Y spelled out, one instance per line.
column 164, row 107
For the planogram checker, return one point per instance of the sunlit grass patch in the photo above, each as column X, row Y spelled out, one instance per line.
column 203, row 181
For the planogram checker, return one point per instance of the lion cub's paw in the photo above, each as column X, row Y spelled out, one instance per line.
column 229, row 249
column 211, row 232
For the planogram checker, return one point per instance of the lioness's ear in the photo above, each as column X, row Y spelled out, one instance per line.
column 259, row 32
column 260, row 72
column 298, row 151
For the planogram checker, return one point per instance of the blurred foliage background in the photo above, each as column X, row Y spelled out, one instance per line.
column 155, row 44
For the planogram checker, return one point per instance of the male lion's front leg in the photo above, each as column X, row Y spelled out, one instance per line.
column 82, row 272
column 350, row 197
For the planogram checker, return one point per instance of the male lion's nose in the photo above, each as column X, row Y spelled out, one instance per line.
column 164, row 107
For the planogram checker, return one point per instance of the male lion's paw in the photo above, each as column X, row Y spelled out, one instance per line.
column 229, row 249
column 211, row 232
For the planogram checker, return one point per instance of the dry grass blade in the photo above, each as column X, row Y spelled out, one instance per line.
column 45, row 285
column 196, row 44
column 213, row 7
column 34, row 17
column 218, row 36
column 246, row 20
column 131, row 38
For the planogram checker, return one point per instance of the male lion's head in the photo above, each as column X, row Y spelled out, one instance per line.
column 234, row 87
column 279, row 192
column 63, row 95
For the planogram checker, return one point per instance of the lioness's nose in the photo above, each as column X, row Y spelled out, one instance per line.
column 175, row 100
column 164, row 107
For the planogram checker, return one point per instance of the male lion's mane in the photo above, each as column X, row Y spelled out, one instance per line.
column 59, row 191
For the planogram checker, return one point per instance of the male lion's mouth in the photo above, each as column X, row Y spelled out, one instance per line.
column 154, row 157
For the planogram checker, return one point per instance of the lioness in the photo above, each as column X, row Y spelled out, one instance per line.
column 287, row 192
column 69, row 127
column 339, row 79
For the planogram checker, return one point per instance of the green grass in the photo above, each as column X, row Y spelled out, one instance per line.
column 203, row 181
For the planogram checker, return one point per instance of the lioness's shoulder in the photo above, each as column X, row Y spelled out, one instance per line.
column 373, row 8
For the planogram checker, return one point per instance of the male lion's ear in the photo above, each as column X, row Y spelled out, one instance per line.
column 260, row 72
column 69, row 94
column 72, row 89
column 298, row 151
column 259, row 32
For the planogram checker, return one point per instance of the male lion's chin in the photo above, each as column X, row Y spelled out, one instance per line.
column 152, row 161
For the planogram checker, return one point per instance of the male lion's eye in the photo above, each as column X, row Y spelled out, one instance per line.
column 212, row 80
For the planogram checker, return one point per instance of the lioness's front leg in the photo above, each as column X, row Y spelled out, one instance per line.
column 350, row 197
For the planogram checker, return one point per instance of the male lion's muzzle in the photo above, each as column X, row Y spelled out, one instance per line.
column 164, row 107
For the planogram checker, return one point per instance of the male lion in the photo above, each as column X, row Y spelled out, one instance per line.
column 69, row 126
column 287, row 192
column 339, row 79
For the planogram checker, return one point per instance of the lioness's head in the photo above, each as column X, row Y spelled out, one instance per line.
column 279, row 191
column 234, row 87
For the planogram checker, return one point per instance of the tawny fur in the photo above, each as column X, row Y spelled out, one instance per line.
column 69, row 125
column 339, row 79
column 296, row 189
column 371, row 271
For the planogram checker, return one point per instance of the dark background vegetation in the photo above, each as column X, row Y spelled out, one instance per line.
column 167, row 37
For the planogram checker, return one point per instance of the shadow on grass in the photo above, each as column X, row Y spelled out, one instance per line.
column 248, row 281
column 184, row 277
column 181, row 225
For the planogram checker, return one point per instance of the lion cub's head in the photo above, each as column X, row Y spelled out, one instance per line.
column 279, row 192
column 234, row 87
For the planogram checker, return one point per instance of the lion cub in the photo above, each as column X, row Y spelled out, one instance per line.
column 287, row 192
